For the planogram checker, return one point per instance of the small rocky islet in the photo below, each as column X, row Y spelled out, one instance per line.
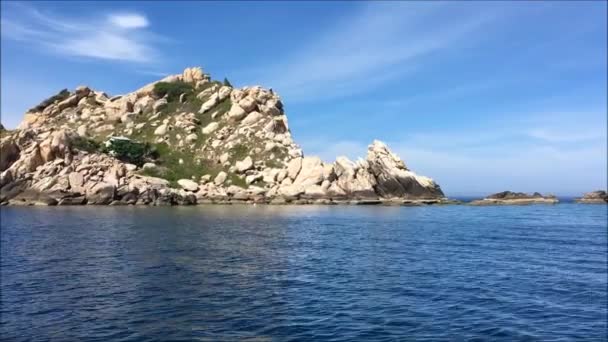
column 594, row 197
column 516, row 198
column 187, row 139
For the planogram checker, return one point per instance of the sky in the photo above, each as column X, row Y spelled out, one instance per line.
column 480, row 96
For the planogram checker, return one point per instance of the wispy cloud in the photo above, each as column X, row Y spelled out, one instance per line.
column 379, row 43
column 113, row 36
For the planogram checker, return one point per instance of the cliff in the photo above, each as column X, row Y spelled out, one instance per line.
column 185, row 139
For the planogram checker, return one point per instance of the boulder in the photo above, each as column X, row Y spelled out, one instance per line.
column 224, row 92
column 236, row 112
column 188, row 185
column 159, row 105
column 311, row 172
column 293, row 168
column 192, row 75
column 213, row 100
column 82, row 130
column 393, row 177
column 248, row 104
column 220, row 178
column 161, row 130
column 291, row 191
column 143, row 104
column 191, row 138
column 76, row 181
column 252, row 118
column 244, row 165
column 253, row 178
column 100, row 193
column 210, row 128
column 314, row 192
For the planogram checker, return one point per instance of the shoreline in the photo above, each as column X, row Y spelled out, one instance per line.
column 320, row 202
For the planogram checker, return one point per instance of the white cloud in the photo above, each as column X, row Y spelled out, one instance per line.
column 128, row 20
column 117, row 37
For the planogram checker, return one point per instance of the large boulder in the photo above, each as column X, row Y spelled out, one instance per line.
column 354, row 179
column 100, row 193
column 244, row 165
column 393, row 177
column 220, row 178
column 311, row 172
column 193, row 75
column 252, row 118
column 188, row 185
column 210, row 128
column 236, row 112
column 213, row 100
column 293, row 168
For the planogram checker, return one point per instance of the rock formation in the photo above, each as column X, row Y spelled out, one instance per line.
column 186, row 139
column 594, row 197
column 516, row 198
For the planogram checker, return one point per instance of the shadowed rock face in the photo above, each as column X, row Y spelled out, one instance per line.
column 393, row 179
column 210, row 143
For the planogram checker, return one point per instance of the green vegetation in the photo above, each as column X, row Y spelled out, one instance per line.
column 86, row 144
column 236, row 180
column 227, row 83
column 129, row 151
column 239, row 152
column 173, row 90
column 171, row 169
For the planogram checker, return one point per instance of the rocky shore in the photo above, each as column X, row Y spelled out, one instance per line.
column 184, row 140
column 516, row 198
column 594, row 197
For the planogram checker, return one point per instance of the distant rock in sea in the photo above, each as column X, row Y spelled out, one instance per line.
column 516, row 198
column 594, row 197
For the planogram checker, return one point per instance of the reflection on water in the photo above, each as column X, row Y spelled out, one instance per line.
column 307, row 272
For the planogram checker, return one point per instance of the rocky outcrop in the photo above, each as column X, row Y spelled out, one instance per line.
column 594, row 197
column 186, row 139
column 516, row 198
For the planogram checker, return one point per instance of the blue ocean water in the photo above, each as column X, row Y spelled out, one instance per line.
column 338, row 273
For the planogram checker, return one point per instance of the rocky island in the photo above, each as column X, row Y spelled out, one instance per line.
column 594, row 197
column 516, row 198
column 186, row 139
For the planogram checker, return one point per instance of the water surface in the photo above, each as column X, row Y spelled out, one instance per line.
column 304, row 273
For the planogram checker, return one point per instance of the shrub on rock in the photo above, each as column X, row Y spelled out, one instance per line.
column 129, row 151
column 173, row 90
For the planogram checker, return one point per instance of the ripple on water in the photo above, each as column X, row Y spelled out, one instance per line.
column 304, row 273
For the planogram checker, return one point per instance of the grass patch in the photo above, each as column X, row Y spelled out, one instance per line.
column 171, row 170
column 130, row 151
column 236, row 180
column 86, row 144
column 239, row 152
column 173, row 90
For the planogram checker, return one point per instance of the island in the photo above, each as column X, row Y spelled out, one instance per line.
column 516, row 198
column 594, row 197
column 187, row 139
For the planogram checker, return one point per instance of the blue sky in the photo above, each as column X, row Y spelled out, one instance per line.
column 480, row 96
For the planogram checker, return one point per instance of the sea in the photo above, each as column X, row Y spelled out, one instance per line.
column 304, row 273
